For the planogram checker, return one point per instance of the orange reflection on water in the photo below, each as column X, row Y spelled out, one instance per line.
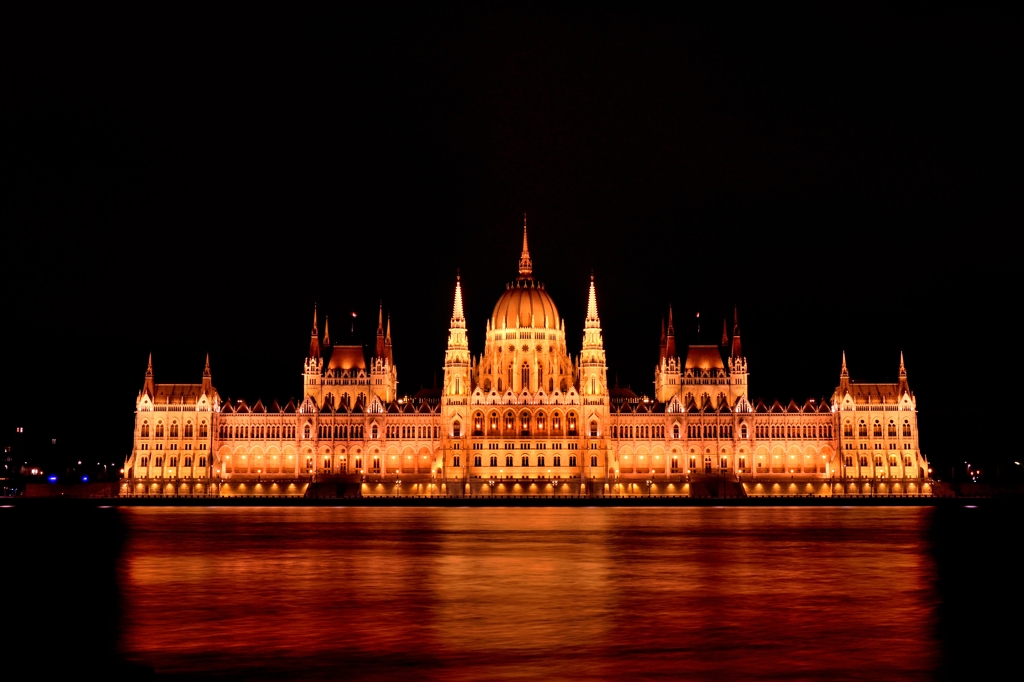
column 529, row 593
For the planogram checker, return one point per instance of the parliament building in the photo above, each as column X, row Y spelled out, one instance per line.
column 526, row 418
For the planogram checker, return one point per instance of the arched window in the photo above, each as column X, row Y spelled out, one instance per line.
column 572, row 460
column 743, row 431
column 847, row 429
column 508, row 460
column 524, row 421
column 906, row 428
column 572, row 423
column 526, row 376
column 675, row 431
column 876, row 431
column 174, row 429
column 458, row 385
column 494, row 460
column 203, row 433
column 593, row 460
column 456, row 461
column 476, row 460
column 306, row 431
column 510, row 421
column 593, row 428
column 526, row 460
column 540, row 460
column 556, row 422
column 478, row 424
column 494, row 421
column 557, row 461
column 145, row 430
column 159, row 429
column 540, row 421
column 373, row 431
column 892, row 429
column 862, row 429
column 456, row 429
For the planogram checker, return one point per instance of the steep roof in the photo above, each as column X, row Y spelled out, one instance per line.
column 874, row 393
column 347, row 357
column 704, row 357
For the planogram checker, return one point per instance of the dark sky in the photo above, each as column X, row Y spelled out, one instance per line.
column 195, row 184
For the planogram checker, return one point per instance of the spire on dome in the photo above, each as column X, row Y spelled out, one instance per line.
column 525, row 264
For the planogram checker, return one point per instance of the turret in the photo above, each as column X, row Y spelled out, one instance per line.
column 207, row 379
column 667, row 373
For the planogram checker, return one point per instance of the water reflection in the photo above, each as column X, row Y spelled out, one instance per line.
column 530, row 593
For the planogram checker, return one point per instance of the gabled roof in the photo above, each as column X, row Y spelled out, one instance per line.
column 793, row 407
column 258, row 407
column 724, row 408
column 776, row 407
column 760, row 407
column 394, row 408
column 290, row 407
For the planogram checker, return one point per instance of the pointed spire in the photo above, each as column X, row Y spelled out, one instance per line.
column 904, row 386
column 725, row 334
column 737, row 348
column 149, row 387
column 457, row 313
column 592, row 319
column 670, row 341
column 327, row 332
column 525, row 264
column 663, row 337
column 314, row 341
column 207, row 379
column 387, row 336
column 380, row 351
column 206, row 370
column 843, row 372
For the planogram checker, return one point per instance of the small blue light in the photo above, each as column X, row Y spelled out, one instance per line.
column 52, row 478
column 85, row 479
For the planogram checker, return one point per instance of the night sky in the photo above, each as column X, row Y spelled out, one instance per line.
column 194, row 185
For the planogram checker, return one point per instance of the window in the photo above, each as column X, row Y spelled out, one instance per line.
column 174, row 429
column 526, row 376
column 494, row 460
column 906, row 429
column 159, row 429
column 476, row 460
column 456, row 430
column 508, row 460
column 327, row 463
column 305, row 431
column 556, row 422
column 892, row 429
column 188, row 430
column 159, row 461
column 862, row 429
column 456, row 461
column 526, row 460
column 863, row 460
column 540, row 460
column 876, row 429
column 848, row 430
column 571, row 423
column 478, row 424
column 144, row 462
column 494, row 421
column 557, row 461
column 510, row 421
column 145, row 430
column 743, row 431
column 849, row 461
column 593, row 428
column 202, row 461
column 373, row 431
column 524, row 420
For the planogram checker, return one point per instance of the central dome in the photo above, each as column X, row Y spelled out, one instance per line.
column 525, row 303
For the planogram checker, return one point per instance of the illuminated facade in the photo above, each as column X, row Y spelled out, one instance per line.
column 526, row 418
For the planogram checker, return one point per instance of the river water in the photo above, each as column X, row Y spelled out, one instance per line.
column 511, row 593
